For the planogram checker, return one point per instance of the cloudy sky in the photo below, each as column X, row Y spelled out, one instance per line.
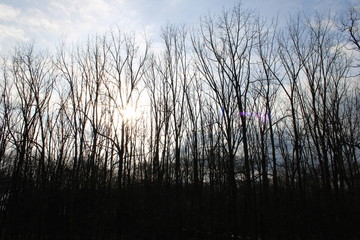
column 45, row 22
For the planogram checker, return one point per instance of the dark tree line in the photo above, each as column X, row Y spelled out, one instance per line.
column 233, row 129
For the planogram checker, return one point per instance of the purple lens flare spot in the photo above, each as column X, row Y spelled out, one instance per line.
column 260, row 116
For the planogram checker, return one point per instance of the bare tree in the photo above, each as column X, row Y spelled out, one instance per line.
column 224, row 52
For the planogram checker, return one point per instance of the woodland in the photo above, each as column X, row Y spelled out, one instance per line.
column 236, row 127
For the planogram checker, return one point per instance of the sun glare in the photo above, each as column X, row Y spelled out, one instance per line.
column 129, row 113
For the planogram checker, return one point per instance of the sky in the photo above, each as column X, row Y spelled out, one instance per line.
column 46, row 22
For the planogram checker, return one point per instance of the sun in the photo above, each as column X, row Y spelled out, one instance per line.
column 129, row 113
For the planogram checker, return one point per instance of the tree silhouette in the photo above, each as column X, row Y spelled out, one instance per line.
column 239, row 129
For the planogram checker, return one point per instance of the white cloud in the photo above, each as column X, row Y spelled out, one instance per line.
column 43, row 21
column 9, row 36
column 46, row 20
column 49, row 20
column 19, row 25
column 37, row 21
column 78, row 19
column 8, row 13
column 82, row 9
column 12, row 32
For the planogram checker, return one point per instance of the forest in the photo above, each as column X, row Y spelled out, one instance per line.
column 236, row 127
